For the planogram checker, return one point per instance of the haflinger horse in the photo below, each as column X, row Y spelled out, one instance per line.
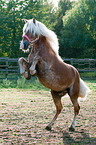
column 51, row 71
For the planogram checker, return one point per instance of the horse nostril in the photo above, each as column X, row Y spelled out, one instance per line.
column 26, row 44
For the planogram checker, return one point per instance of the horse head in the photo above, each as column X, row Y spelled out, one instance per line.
column 33, row 30
column 29, row 35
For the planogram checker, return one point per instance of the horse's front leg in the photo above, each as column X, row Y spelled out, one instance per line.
column 24, row 68
column 33, row 66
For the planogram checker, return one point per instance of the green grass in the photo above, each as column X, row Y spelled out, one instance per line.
column 87, row 75
column 22, row 83
column 91, row 84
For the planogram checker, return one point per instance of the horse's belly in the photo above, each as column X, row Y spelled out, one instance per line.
column 52, row 81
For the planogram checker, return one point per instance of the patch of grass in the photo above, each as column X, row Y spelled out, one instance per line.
column 1, row 141
column 91, row 84
column 22, row 83
column 6, row 83
column 88, row 74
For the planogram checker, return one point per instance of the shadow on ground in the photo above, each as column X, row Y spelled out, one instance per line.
column 81, row 137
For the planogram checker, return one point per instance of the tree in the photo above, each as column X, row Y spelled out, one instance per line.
column 79, row 31
column 12, row 13
column 63, row 6
column 2, row 28
column 73, row 22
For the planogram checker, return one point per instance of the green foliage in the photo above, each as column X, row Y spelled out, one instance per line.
column 79, row 34
column 63, row 6
column 73, row 22
column 11, row 24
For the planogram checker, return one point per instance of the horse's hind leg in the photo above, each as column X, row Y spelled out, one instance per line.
column 57, row 100
column 74, row 99
column 76, row 112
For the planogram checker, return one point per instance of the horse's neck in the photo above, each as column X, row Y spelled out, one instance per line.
column 44, row 49
column 32, row 54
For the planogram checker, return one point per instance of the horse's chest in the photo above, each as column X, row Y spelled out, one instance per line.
column 47, row 76
column 44, row 71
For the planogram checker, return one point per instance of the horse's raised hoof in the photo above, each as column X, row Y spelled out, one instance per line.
column 32, row 72
column 48, row 128
column 71, row 129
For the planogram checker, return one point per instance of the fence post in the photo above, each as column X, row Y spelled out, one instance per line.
column 19, row 70
column 6, row 74
column 95, row 69
column 71, row 61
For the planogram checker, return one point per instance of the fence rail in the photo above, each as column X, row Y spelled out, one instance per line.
column 9, row 67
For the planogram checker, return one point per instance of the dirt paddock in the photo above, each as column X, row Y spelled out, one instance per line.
column 24, row 115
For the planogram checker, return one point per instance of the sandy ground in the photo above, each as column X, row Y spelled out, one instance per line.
column 24, row 114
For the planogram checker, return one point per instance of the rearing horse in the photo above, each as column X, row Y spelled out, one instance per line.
column 51, row 71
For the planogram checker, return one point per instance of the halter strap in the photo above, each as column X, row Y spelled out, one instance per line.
column 35, row 40
column 26, row 37
column 30, row 40
column 31, row 43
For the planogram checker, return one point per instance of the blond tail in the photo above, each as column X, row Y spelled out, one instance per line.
column 84, row 90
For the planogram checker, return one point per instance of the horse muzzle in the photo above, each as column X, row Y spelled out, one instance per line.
column 26, row 44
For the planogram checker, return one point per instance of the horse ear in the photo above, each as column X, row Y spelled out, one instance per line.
column 25, row 20
column 34, row 21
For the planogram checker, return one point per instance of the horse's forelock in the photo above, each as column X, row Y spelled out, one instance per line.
column 29, row 26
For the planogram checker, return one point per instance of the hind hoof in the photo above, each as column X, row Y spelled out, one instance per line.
column 48, row 128
column 71, row 129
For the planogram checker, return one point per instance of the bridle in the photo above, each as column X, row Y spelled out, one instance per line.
column 30, row 42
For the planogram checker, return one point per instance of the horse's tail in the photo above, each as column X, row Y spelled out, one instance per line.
column 84, row 89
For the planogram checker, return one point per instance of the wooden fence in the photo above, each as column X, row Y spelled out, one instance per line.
column 9, row 67
column 86, row 67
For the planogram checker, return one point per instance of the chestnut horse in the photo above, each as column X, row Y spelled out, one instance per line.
column 51, row 71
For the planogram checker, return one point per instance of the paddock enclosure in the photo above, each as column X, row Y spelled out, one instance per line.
column 25, row 112
column 9, row 67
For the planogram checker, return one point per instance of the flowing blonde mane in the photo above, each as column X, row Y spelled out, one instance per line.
column 40, row 29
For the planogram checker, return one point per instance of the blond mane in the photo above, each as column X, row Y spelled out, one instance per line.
column 40, row 29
